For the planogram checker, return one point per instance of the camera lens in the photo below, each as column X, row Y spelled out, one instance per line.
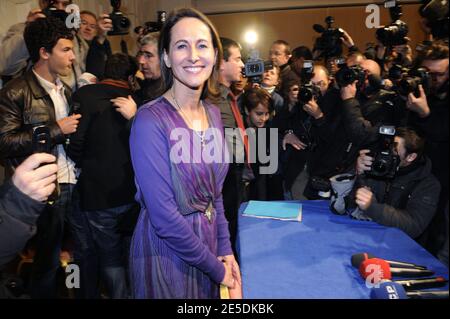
column 125, row 23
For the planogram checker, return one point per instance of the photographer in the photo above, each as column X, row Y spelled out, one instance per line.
column 409, row 200
column 334, row 153
column 365, row 104
column 22, row 200
column 429, row 116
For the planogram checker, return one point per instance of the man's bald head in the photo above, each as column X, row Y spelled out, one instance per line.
column 371, row 67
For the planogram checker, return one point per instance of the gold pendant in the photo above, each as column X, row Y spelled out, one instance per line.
column 208, row 212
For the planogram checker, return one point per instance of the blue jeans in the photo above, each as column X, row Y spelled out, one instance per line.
column 101, row 239
column 49, row 236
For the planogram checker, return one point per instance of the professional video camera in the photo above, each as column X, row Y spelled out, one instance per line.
column 255, row 67
column 386, row 162
column 410, row 82
column 349, row 74
column 152, row 26
column 396, row 32
column 121, row 24
column 329, row 44
column 307, row 90
column 437, row 17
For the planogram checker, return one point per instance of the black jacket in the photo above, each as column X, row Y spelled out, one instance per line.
column 23, row 103
column 335, row 153
column 408, row 202
column 100, row 148
column 435, row 130
column 18, row 215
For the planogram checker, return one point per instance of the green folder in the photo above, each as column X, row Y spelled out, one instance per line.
column 274, row 209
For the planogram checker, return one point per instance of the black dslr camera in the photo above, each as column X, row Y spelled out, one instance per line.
column 152, row 26
column 410, row 82
column 349, row 74
column 121, row 24
column 308, row 90
column 329, row 44
column 255, row 67
column 396, row 32
column 386, row 162
column 52, row 11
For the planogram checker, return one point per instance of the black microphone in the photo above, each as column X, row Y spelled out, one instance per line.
column 411, row 272
column 423, row 283
column 357, row 259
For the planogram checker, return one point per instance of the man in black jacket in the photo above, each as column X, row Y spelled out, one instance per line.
column 409, row 200
column 39, row 97
column 106, row 184
column 430, row 118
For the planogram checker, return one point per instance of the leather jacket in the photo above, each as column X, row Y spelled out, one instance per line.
column 24, row 103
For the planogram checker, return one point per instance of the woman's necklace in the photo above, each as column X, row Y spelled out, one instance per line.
column 200, row 134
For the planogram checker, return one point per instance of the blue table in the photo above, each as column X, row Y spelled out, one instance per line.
column 311, row 259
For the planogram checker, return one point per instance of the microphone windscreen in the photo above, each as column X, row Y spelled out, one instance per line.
column 357, row 259
column 389, row 290
column 376, row 268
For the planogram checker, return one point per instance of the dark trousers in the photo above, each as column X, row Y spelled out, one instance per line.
column 233, row 193
column 49, row 236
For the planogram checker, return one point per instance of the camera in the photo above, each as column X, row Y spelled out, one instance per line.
column 255, row 67
column 395, row 33
column 410, row 82
column 307, row 90
column 152, row 26
column 41, row 140
column 385, row 163
column 349, row 74
column 329, row 44
column 121, row 24
column 52, row 11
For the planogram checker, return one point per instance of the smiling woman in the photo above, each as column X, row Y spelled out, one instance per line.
column 181, row 246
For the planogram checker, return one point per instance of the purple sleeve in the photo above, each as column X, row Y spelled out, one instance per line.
column 150, row 158
column 223, row 234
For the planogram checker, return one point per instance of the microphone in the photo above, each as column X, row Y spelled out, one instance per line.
column 422, row 283
column 392, row 290
column 357, row 259
column 379, row 269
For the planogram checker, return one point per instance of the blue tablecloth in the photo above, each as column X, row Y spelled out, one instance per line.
column 311, row 259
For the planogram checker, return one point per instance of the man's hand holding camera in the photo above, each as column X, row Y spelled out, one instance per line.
column 104, row 25
column 313, row 109
column 364, row 162
column 34, row 180
column 420, row 104
column 34, row 14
